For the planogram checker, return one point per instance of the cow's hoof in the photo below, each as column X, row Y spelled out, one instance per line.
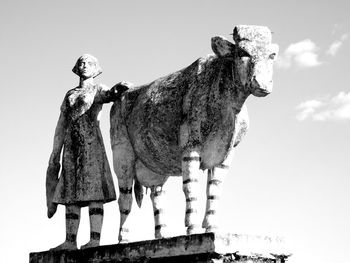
column 158, row 235
column 211, row 229
column 194, row 229
column 123, row 236
column 160, row 231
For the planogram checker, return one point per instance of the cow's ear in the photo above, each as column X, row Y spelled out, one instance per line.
column 221, row 46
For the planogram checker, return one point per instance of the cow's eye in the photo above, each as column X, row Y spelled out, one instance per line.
column 272, row 56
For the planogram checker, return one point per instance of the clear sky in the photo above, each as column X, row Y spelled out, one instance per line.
column 290, row 176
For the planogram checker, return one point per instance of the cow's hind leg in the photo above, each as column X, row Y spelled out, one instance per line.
column 214, row 188
column 124, row 167
column 156, row 197
column 190, row 174
column 125, row 202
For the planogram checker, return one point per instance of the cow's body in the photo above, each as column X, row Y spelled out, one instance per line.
column 189, row 120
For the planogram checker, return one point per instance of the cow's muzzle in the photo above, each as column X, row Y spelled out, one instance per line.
column 261, row 89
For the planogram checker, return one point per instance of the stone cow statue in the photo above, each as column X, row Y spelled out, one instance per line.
column 189, row 120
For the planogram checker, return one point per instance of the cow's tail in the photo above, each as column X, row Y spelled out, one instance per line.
column 139, row 192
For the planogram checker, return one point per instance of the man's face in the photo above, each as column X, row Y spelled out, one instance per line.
column 87, row 67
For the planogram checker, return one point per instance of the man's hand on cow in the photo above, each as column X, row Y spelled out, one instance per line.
column 125, row 84
column 118, row 89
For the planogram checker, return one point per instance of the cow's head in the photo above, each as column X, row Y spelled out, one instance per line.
column 253, row 56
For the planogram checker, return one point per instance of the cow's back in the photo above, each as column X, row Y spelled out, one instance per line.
column 152, row 114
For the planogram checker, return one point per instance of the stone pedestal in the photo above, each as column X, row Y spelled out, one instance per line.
column 208, row 247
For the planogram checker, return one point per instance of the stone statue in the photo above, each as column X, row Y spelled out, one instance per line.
column 189, row 120
column 85, row 178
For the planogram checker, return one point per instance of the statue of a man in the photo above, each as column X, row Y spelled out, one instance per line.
column 86, row 178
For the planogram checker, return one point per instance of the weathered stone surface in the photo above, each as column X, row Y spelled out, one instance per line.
column 85, row 179
column 189, row 120
column 207, row 247
column 85, row 175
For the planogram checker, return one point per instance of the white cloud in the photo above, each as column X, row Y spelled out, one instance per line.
column 308, row 108
column 335, row 46
column 303, row 54
column 336, row 108
column 307, row 60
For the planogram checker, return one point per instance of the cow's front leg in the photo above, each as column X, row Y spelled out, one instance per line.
column 216, row 177
column 190, row 174
column 157, row 202
column 125, row 202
